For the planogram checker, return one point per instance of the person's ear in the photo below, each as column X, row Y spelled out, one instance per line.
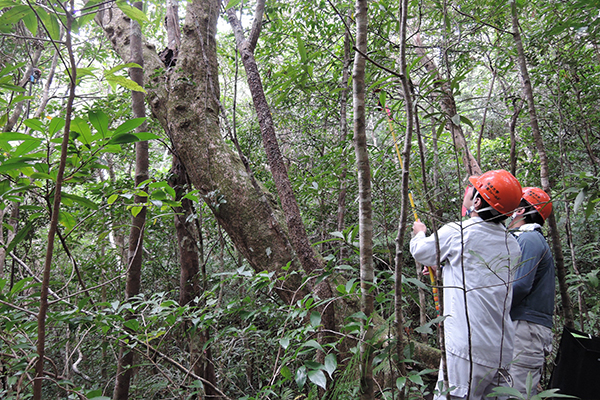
column 520, row 211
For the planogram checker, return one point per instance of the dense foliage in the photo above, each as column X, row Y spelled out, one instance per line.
column 262, row 347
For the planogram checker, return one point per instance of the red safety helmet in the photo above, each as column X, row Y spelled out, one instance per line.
column 539, row 200
column 500, row 189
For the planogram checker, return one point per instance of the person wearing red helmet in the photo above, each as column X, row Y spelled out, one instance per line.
column 477, row 257
column 533, row 290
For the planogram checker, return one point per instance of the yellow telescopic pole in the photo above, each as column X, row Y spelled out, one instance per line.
column 436, row 297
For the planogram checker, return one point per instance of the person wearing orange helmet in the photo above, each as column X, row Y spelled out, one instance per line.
column 477, row 256
column 533, row 290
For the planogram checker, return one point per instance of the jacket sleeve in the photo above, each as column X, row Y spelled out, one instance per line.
column 422, row 247
column 525, row 272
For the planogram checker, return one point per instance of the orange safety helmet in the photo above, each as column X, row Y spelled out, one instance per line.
column 500, row 189
column 539, row 200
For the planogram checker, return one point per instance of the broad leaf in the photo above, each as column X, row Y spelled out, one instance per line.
column 330, row 364
column 99, row 120
column 129, row 125
column 124, row 138
column 50, row 22
column 318, row 378
column 15, row 14
column 132, row 12
column 125, row 82
column 80, row 200
column 300, row 377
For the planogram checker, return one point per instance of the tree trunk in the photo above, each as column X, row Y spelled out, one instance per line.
column 399, row 259
column 297, row 231
column 561, row 272
column 136, row 235
column 341, row 203
column 41, row 319
column 365, row 215
column 185, row 101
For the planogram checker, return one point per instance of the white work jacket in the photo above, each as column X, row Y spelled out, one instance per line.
column 487, row 253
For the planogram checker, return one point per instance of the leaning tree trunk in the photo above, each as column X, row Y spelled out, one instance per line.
column 309, row 260
column 544, row 170
column 136, row 235
column 365, row 214
column 41, row 319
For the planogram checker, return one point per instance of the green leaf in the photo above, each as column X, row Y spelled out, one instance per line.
column 467, row 121
column 132, row 12
column 135, row 210
column 301, row 48
column 87, row 203
column 21, row 234
column 42, row 175
column 26, row 147
column 50, row 21
column 31, row 23
column 67, row 220
column 315, row 319
column 285, row 372
column 314, row 344
column 11, row 136
column 300, row 377
column 129, row 125
column 330, row 364
column 132, row 324
column 318, row 378
column 56, row 124
column 401, row 382
column 232, row 3
column 416, row 379
column 125, row 82
column 15, row 14
column 145, row 136
column 99, row 121
column 35, row 124
column 15, row 164
column 121, row 67
column 81, row 126
column 124, row 138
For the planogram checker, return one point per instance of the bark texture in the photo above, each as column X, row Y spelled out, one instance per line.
column 136, row 235
column 365, row 215
column 184, row 100
column 399, row 259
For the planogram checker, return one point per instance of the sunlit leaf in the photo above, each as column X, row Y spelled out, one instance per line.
column 125, row 82
column 132, row 12
column 50, row 22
